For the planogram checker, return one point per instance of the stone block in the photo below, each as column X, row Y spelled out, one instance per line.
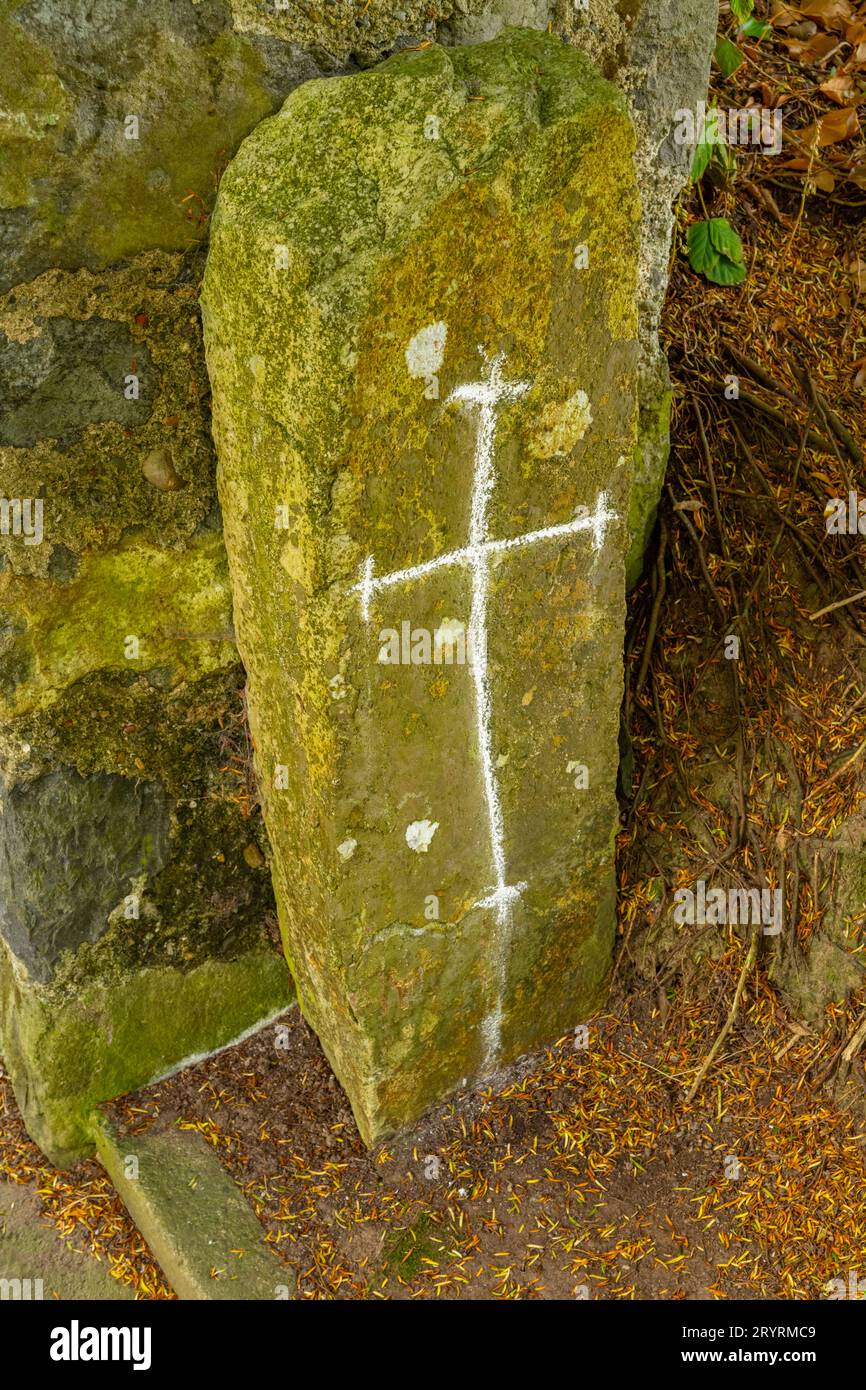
column 421, row 328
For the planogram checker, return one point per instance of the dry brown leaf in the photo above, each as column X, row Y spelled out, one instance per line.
column 833, row 14
column 821, row 178
column 856, row 268
column 814, row 49
column 856, row 32
column 783, row 16
column 841, row 89
column 769, row 95
column 859, row 369
column 832, row 127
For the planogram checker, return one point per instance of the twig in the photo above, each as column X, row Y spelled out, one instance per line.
column 813, row 438
column 732, row 1015
column 837, row 425
column 858, row 752
column 842, row 603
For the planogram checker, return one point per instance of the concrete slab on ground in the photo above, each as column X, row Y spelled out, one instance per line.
column 193, row 1216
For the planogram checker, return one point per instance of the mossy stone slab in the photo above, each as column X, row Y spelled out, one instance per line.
column 193, row 1216
column 389, row 254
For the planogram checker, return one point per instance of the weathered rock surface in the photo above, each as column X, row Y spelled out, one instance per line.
column 128, row 892
column 116, row 121
column 421, row 327
column 69, row 845
column 193, row 1216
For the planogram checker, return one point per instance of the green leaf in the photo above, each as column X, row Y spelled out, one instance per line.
column 756, row 29
column 702, row 254
column 715, row 250
column 728, row 57
column 726, row 272
column 710, row 140
column 742, row 10
column 701, row 160
column 725, row 240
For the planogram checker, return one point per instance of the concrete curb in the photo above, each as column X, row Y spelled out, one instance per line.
column 192, row 1215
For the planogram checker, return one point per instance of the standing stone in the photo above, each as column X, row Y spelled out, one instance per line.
column 421, row 328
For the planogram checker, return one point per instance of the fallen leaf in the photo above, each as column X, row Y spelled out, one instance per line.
column 856, row 268
column 833, row 14
column 841, row 89
column 830, row 129
column 821, row 178
column 783, row 16
column 814, row 49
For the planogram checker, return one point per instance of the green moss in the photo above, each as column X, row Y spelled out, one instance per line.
column 123, row 722
column 405, row 1252
column 125, row 208
column 67, row 1054
column 651, row 456
column 93, row 479
column 34, row 111
column 177, row 607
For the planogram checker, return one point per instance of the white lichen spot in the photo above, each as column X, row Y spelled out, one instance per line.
column 347, row 848
column 420, row 833
column 425, row 355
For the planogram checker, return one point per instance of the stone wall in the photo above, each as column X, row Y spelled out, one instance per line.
column 137, row 911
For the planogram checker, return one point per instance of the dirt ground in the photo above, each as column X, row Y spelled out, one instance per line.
column 581, row 1175
column 32, row 1251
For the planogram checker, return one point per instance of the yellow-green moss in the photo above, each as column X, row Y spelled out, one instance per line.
column 65, row 1053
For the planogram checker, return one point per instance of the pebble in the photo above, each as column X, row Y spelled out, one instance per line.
column 159, row 471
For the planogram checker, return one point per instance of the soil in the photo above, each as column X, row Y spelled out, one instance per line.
column 580, row 1174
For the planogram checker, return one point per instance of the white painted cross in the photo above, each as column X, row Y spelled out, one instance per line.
column 476, row 556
